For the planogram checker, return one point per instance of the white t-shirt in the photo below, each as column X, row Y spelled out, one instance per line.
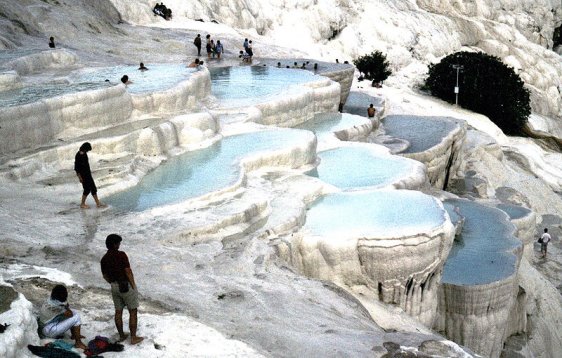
column 545, row 238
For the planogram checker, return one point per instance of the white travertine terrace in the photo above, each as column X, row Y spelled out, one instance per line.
column 293, row 109
column 29, row 64
column 9, row 80
column 23, row 325
column 402, row 262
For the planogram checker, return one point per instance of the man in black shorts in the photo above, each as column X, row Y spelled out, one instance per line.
column 82, row 169
column 116, row 270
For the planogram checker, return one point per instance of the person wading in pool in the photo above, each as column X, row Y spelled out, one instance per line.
column 82, row 169
column 371, row 111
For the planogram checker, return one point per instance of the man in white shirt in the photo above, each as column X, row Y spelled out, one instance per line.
column 545, row 239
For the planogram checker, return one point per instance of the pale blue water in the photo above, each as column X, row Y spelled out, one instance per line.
column 484, row 253
column 357, row 102
column 514, row 211
column 422, row 132
column 327, row 123
column 246, row 84
column 203, row 171
column 358, row 167
column 159, row 77
column 34, row 93
column 380, row 213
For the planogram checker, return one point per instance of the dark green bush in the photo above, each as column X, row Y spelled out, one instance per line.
column 373, row 66
column 487, row 86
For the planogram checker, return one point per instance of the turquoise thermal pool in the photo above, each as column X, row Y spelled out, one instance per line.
column 378, row 213
column 159, row 77
column 37, row 92
column 200, row 172
column 327, row 123
column 244, row 85
column 356, row 167
column 514, row 211
column 484, row 253
column 422, row 132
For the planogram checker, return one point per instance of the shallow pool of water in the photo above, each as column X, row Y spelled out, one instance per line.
column 377, row 213
column 357, row 167
column 34, row 93
column 202, row 171
column 422, row 132
column 159, row 77
column 514, row 211
column 484, row 251
column 327, row 123
column 246, row 84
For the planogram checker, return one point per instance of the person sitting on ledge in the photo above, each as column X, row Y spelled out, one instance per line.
column 194, row 63
column 125, row 80
column 142, row 67
column 51, row 42
column 295, row 65
column 278, row 64
column 56, row 317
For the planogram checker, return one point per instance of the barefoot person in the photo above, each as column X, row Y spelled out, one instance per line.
column 117, row 271
column 82, row 169
column 56, row 317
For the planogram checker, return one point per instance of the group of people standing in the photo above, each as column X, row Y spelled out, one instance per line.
column 216, row 48
column 56, row 317
column 213, row 49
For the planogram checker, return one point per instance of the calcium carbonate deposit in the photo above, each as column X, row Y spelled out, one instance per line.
column 259, row 220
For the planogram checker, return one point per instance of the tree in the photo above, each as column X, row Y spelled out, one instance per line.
column 487, row 86
column 373, row 66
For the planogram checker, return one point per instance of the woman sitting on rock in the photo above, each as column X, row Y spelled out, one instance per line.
column 56, row 317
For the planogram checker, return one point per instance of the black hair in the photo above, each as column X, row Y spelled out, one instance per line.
column 111, row 240
column 51, row 38
column 371, row 105
column 197, row 61
column 59, row 293
column 545, row 230
column 124, row 79
column 85, row 147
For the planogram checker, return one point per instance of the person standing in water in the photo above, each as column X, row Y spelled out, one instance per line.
column 371, row 111
column 82, row 169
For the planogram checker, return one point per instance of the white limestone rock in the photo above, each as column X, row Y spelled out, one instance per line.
column 22, row 328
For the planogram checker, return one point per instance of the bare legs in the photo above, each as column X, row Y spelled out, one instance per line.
column 99, row 204
column 132, row 326
column 78, row 338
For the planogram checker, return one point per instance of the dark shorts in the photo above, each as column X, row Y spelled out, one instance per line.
column 544, row 246
column 208, row 47
column 89, row 186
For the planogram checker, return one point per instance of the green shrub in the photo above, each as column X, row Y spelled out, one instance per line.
column 487, row 86
column 373, row 66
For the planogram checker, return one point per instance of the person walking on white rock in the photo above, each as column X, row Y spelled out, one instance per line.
column 82, row 169
column 544, row 240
